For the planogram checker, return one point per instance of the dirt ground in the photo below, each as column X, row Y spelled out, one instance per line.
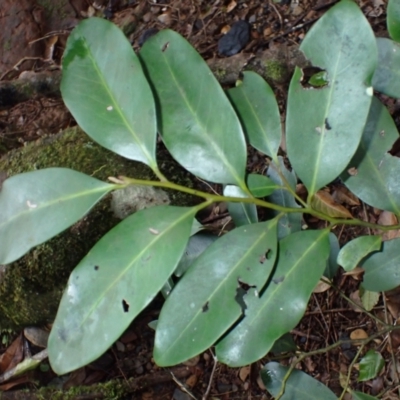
column 33, row 37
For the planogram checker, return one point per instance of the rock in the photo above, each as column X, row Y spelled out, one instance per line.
column 30, row 288
column 235, row 40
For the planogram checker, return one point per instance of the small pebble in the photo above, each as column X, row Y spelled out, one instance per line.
column 235, row 40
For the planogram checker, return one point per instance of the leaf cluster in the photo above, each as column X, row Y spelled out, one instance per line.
column 245, row 290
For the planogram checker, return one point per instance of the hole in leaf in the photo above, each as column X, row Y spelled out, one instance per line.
column 265, row 256
column 395, row 150
column 125, row 305
column 205, row 308
column 165, row 47
column 314, row 78
column 96, row 267
column 352, row 171
column 327, row 126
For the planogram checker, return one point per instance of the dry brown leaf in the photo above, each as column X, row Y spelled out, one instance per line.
column 323, row 202
column 388, row 218
column 355, row 296
column 343, row 195
column 13, row 355
column 244, row 372
column 231, row 6
column 355, row 273
column 321, row 286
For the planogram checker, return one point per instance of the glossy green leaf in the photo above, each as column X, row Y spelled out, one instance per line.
column 301, row 262
column 370, row 365
column 332, row 265
column 105, row 89
column 290, row 222
column 386, row 78
column 299, row 386
column 196, row 245
column 258, row 111
column 393, row 19
column 196, row 120
column 374, row 171
column 284, row 344
column 260, row 185
column 37, row 205
column 209, row 297
column 353, row 252
column 324, row 125
column 382, row 268
column 115, row 281
column 241, row 213
column 362, row 396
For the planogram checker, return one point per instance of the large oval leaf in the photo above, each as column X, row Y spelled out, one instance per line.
column 209, row 297
column 393, row 19
column 382, row 268
column 290, row 222
column 299, row 386
column 324, row 125
column 301, row 262
column 386, row 78
column 354, row 251
column 37, row 205
column 196, row 120
column 104, row 87
column 118, row 278
column 258, row 110
column 373, row 173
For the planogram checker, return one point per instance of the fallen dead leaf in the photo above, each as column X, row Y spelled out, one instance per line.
column 355, row 273
column 342, row 195
column 321, row 286
column 388, row 218
column 244, row 372
column 322, row 201
column 355, row 296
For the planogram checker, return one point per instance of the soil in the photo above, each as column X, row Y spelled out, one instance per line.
column 32, row 39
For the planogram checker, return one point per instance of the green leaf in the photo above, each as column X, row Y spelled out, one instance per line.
column 105, row 89
column 382, row 268
column 209, row 297
column 196, row 245
column 362, row 396
column 258, row 111
column 241, row 213
column 370, row 365
column 324, row 125
column 372, row 174
column 353, row 252
column 37, row 205
column 197, row 122
column 116, row 280
column 301, row 262
column 368, row 299
column 290, row 222
column 393, row 19
column 332, row 265
column 299, row 386
column 260, row 185
column 284, row 344
column 386, row 78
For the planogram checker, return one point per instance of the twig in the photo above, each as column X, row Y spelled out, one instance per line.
column 182, row 386
column 207, row 392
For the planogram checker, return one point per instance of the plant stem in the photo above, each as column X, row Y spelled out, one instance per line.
column 164, row 183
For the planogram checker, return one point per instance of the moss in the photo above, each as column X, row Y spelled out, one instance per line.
column 113, row 389
column 30, row 288
column 276, row 71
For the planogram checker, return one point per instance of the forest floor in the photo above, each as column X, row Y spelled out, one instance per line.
column 329, row 317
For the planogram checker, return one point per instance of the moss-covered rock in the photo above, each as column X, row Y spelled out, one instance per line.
column 30, row 288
